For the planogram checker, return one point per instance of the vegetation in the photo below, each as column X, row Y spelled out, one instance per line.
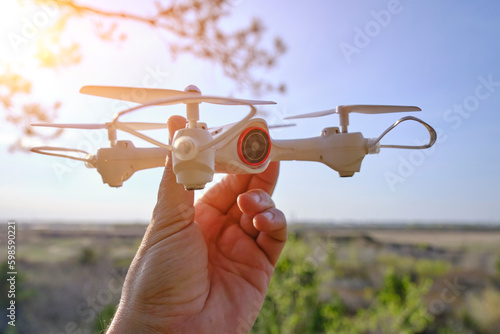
column 325, row 282
column 332, row 285
column 294, row 303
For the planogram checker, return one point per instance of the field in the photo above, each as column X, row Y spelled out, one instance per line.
column 330, row 279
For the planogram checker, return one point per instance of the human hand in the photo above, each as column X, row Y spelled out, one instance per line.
column 204, row 268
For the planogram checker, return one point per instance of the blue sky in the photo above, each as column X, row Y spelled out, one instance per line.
column 441, row 56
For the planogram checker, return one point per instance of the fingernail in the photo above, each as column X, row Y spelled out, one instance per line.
column 269, row 215
column 256, row 197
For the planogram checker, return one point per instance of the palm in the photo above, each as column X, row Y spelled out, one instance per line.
column 214, row 270
column 238, row 264
column 207, row 267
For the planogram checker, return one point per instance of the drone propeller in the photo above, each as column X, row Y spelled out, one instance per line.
column 277, row 126
column 71, row 126
column 358, row 108
column 149, row 95
column 343, row 112
column 132, row 125
column 111, row 127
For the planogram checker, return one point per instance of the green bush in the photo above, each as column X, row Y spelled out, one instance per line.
column 431, row 268
column 398, row 307
column 104, row 319
column 293, row 303
column 88, row 256
column 292, row 298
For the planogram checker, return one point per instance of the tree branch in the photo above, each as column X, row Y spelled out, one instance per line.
column 196, row 24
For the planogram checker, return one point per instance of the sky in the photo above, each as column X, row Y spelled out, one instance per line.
column 441, row 56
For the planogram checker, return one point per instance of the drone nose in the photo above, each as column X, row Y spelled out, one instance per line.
column 192, row 89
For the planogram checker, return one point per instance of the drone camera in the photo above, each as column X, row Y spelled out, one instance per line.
column 254, row 146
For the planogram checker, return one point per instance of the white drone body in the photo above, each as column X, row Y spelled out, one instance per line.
column 243, row 147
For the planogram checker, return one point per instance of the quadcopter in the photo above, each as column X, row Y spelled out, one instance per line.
column 238, row 148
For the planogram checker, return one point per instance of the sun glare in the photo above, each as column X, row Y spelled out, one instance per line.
column 10, row 11
column 21, row 27
column 10, row 18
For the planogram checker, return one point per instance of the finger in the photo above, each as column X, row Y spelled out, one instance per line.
column 246, row 223
column 271, row 225
column 258, row 206
column 255, row 201
column 250, row 204
column 262, row 220
column 233, row 185
column 174, row 208
column 267, row 179
column 175, row 123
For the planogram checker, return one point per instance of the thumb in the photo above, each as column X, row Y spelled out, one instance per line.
column 174, row 208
